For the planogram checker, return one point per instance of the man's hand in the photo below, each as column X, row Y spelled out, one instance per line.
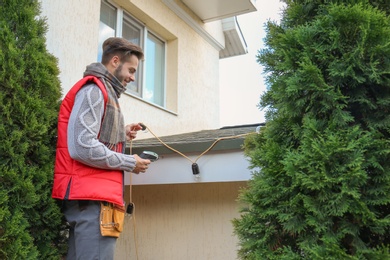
column 141, row 165
column 131, row 131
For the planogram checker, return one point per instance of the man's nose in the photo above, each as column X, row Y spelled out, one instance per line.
column 132, row 77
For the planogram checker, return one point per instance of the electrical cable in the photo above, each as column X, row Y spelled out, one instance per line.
column 206, row 151
column 133, row 205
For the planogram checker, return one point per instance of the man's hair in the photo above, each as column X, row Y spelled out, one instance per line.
column 116, row 46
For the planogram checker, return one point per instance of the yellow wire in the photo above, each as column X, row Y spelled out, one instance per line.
column 135, row 233
column 207, row 150
column 131, row 201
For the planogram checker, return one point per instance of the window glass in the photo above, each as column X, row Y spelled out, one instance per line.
column 107, row 25
column 154, row 87
column 133, row 33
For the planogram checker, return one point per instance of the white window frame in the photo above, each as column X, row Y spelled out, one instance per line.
column 123, row 15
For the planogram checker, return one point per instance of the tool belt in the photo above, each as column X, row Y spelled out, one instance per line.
column 112, row 219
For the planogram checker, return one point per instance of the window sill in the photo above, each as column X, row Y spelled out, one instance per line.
column 151, row 104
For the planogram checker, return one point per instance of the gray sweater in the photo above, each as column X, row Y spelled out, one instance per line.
column 83, row 128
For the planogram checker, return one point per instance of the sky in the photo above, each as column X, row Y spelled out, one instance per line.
column 241, row 78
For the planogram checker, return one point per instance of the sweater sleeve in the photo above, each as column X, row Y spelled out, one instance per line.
column 83, row 129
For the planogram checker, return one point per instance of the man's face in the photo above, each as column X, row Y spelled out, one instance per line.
column 125, row 72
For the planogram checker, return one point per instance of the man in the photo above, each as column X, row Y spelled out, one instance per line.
column 90, row 157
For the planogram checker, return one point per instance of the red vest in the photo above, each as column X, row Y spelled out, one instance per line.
column 84, row 182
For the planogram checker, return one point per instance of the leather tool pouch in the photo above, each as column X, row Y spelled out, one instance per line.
column 111, row 219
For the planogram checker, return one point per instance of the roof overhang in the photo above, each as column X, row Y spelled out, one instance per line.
column 212, row 10
column 234, row 40
column 224, row 10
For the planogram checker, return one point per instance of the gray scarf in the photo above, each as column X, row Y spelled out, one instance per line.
column 112, row 131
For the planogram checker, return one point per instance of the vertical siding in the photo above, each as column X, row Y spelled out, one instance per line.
column 182, row 221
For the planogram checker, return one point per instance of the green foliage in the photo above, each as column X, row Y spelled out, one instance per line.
column 323, row 191
column 29, row 101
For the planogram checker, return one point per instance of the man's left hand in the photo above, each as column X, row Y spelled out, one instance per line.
column 131, row 131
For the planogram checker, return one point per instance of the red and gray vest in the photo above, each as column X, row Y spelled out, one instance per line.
column 75, row 180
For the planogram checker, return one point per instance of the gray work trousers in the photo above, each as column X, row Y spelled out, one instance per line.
column 85, row 239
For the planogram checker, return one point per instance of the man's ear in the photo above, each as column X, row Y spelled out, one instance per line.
column 115, row 61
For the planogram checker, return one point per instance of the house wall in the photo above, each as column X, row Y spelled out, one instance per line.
column 181, row 221
column 192, row 62
column 72, row 36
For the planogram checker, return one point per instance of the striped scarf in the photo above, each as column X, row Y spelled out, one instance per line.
column 112, row 131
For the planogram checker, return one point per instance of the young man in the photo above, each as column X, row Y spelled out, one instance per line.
column 90, row 157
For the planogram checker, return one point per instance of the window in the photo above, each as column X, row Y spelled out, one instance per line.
column 115, row 21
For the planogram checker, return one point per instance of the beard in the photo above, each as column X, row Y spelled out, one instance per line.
column 119, row 76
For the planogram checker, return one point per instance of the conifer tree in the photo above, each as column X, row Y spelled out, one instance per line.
column 321, row 182
column 30, row 221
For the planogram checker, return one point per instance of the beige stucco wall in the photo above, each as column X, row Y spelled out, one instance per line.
column 192, row 62
column 181, row 221
column 72, row 36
